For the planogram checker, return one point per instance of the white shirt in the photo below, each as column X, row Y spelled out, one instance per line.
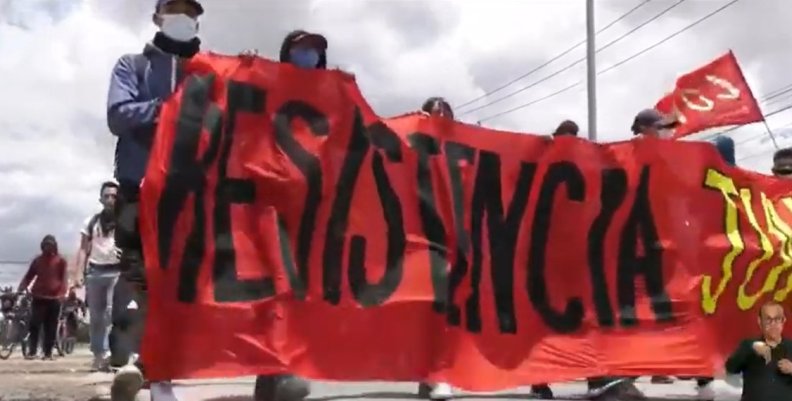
column 102, row 246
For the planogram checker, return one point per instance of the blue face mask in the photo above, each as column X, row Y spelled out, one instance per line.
column 304, row 58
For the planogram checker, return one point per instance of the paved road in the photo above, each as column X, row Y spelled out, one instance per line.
column 68, row 379
column 240, row 390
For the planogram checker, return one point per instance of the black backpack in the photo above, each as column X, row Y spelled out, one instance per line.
column 92, row 225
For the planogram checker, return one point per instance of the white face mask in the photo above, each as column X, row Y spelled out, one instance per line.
column 665, row 133
column 179, row 27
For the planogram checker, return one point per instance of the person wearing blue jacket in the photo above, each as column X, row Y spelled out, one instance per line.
column 139, row 85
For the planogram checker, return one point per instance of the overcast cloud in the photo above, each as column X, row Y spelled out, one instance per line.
column 56, row 56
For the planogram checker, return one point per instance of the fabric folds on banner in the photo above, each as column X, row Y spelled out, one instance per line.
column 289, row 228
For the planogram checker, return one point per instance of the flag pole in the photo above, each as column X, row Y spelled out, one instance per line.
column 591, row 71
column 770, row 132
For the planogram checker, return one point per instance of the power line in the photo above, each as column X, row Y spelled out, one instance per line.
column 777, row 92
column 736, row 127
column 548, row 62
column 761, row 134
column 578, row 61
column 622, row 62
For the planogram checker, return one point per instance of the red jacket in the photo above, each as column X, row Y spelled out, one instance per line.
column 48, row 274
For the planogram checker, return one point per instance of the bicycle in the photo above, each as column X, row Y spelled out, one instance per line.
column 15, row 309
column 68, row 319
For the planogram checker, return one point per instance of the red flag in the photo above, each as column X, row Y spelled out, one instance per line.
column 711, row 96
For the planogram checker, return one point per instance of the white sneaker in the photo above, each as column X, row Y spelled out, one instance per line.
column 706, row 392
column 441, row 391
column 162, row 391
column 127, row 382
column 101, row 363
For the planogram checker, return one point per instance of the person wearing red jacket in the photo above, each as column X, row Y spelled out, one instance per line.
column 47, row 273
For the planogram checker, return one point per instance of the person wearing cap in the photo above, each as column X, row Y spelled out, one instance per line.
column 566, row 128
column 651, row 122
column 304, row 49
column 782, row 163
column 139, row 84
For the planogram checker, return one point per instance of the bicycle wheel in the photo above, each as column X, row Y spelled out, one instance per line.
column 24, row 345
column 6, row 339
column 68, row 345
column 60, row 337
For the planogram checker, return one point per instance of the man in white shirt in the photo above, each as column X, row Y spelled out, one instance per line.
column 99, row 262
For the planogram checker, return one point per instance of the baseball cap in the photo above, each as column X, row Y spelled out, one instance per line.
column 652, row 118
column 193, row 3
column 315, row 39
column 567, row 127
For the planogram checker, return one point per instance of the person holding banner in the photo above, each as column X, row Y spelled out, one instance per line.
column 650, row 122
column 566, row 128
column 305, row 50
column 725, row 146
column 436, row 106
column 139, row 84
column 782, row 163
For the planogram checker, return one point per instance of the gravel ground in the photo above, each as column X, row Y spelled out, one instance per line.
column 65, row 379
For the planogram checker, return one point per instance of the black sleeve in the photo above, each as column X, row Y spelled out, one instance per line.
column 737, row 361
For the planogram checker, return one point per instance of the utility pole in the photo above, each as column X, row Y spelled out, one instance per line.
column 591, row 71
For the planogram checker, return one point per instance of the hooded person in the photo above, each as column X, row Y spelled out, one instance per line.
column 47, row 272
column 139, row 85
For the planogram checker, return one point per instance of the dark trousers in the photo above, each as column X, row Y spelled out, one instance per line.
column 129, row 296
column 44, row 320
column 128, row 316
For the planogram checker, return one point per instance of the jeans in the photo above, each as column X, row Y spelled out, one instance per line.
column 100, row 283
column 44, row 317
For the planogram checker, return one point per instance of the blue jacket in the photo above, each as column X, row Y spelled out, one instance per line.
column 138, row 86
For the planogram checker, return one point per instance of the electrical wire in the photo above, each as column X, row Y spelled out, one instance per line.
column 548, row 62
column 622, row 62
column 736, row 127
column 576, row 62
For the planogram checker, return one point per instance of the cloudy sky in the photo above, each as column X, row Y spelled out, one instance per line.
column 56, row 56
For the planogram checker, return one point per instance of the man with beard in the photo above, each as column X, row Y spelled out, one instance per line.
column 139, row 85
column 98, row 262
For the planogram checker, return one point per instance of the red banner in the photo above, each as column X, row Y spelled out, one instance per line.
column 288, row 228
column 712, row 96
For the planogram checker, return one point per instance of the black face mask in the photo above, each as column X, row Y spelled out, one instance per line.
column 176, row 48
